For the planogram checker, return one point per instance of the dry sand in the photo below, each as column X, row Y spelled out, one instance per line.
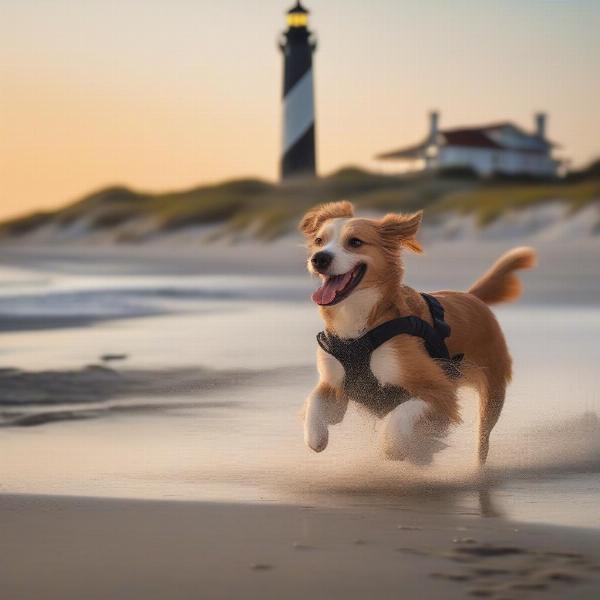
column 72, row 548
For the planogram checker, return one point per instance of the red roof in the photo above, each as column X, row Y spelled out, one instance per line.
column 473, row 137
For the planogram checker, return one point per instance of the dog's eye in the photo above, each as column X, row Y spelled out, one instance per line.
column 355, row 243
column 318, row 241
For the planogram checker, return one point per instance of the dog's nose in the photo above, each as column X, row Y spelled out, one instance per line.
column 321, row 260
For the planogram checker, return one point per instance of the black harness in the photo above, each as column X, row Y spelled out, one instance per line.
column 360, row 384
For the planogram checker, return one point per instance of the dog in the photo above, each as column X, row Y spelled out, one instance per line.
column 359, row 263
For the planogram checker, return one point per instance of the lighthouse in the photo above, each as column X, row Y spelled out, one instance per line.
column 298, row 156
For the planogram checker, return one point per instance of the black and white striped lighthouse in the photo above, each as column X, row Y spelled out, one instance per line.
column 298, row 158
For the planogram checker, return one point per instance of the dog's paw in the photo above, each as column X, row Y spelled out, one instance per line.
column 316, row 436
column 399, row 432
column 422, row 450
column 392, row 450
column 427, row 440
column 413, row 435
column 418, row 451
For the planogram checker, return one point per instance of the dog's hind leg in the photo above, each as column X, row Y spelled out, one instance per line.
column 491, row 401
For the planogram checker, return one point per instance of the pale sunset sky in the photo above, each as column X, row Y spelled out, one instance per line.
column 167, row 94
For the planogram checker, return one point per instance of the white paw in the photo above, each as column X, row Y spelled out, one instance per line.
column 393, row 451
column 316, row 436
column 410, row 434
column 423, row 449
column 418, row 450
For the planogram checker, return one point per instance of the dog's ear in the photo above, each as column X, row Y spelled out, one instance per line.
column 401, row 230
column 315, row 217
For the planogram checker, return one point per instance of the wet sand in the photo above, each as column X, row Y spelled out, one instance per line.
column 73, row 548
column 34, row 398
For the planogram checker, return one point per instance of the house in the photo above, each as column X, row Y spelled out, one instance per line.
column 503, row 149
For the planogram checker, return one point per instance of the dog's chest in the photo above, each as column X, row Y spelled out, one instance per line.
column 370, row 378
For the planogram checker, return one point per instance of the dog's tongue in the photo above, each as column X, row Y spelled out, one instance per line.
column 326, row 293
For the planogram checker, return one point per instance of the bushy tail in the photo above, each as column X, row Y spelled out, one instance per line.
column 500, row 284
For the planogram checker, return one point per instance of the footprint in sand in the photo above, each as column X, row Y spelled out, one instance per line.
column 500, row 572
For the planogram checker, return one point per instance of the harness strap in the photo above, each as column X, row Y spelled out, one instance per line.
column 433, row 336
column 451, row 363
column 323, row 341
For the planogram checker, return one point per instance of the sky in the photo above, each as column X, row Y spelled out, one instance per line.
column 168, row 94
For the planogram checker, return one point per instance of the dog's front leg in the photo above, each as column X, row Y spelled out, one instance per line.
column 323, row 408
column 415, row 429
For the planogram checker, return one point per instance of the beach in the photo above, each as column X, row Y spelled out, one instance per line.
column 81, row 547
column 151, row 437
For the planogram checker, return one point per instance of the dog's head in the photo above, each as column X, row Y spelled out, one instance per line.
column 350, row 253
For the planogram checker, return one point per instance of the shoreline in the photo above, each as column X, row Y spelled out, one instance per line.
column 566, row 274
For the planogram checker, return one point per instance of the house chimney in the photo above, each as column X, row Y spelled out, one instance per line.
column 540, row 125
column 434, row 120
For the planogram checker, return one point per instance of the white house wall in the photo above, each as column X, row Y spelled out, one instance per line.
column 487, row 161
column 480, row 160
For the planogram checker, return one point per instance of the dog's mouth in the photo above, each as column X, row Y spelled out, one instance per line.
column 338, row 287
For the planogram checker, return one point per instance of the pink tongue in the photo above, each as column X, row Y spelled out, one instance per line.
column 326, row 293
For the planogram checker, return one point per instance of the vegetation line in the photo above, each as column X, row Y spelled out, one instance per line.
column 266, row 210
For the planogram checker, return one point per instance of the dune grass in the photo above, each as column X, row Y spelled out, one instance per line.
column 27, row 224
column 489, row 202
column 267, row 210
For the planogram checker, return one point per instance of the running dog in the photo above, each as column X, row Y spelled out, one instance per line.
column 400, row 354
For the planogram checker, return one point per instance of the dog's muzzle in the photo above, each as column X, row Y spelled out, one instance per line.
column 321, row 261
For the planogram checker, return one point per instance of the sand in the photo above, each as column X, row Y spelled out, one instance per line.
column 151, row 447
column 567, row 272
column 73, row 548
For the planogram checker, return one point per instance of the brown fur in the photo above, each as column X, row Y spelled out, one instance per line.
column 314, row 218
column 400, row 228
column 475, row 330
column 500, row 284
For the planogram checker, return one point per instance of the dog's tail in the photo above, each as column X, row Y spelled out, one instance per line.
column 500, row 283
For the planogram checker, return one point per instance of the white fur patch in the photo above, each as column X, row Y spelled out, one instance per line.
column 385, row 365
column 351, row 315
column 413, row 433
column 343, row 260
column 399, row 428
column 330, row 369
column 406, row 416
